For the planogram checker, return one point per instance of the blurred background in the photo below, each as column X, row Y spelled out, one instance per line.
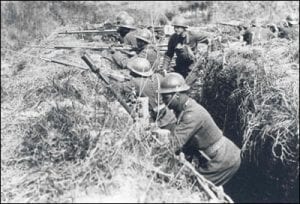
column 23, row 22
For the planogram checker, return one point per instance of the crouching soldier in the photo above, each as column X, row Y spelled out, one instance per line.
column 144, row 82
column 144, row 49
column 196, row 134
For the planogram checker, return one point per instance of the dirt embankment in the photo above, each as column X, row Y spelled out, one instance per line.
column 65, row 139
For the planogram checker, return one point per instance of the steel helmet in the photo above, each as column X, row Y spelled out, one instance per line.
column 179, row 21
column 144, row 35
column 253, row 22
column 140, row 66
column 128, row 22
column 244, row 25
column 291, row 19
column 121, row 17
column 173, row 82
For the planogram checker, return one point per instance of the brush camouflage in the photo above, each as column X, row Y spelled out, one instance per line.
column 173, row 82
column 140, row 66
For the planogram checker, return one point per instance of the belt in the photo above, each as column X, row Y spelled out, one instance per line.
column 214, row 147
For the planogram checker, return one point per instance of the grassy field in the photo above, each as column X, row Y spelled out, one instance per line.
column 64, row 138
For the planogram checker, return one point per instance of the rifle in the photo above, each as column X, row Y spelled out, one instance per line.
column 227, row 24
column 126, row 50
column 94, row 69
column 111, row 75
column 235, row 24
column 95, row 31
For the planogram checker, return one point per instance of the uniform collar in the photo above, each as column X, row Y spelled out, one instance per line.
column 183, row 110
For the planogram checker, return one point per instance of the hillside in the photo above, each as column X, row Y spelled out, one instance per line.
column 64, row 138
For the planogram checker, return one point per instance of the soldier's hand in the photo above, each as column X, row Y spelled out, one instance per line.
column 112, row 50
column 132, row 53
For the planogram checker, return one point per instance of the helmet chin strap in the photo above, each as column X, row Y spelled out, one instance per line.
column 173, row 97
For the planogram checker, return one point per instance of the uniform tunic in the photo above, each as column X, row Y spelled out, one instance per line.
column 150, row 52
column 130, row 38
column 196, row 130
column 147, row 87
column 184, row 55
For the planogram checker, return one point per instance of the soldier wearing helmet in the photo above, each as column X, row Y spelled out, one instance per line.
column 144, row 82
column 127, row 31
column 288, row 28
column 184, row 44
column 145, row 49
column 247, row 33
column 291, row 21
column 196, row 134
column 121, row 17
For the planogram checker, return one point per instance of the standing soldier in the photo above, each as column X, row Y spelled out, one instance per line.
column 197, row 135
column 145, row 83
column 145, row 49
column 184, row 44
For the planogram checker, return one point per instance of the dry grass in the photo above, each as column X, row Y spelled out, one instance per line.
column 65, row 139
column 269, row 135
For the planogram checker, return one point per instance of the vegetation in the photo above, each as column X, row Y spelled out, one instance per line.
column 64, row 138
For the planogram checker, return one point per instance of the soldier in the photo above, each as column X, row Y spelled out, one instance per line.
column 145, row 83
column 197, row 135
column 121, row 17
column 291, row 21
column 289, row 28
column 184, row 44
column 127, row 31
column 246, row 33
column 144, row 49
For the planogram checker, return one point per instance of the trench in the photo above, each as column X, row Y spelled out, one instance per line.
column 261, row 177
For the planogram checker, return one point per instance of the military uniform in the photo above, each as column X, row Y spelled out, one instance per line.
column 185, row 48
column 147, row 87
column 130, row 39
column 149, row 52
column 196, row 131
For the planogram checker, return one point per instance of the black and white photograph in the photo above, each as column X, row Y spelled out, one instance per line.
column 149, row 101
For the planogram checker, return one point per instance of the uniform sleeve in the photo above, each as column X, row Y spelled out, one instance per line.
column 120, row 59
column 184, row 130
column 151, row 55
column 130, row 39
column 200, row 37
column 171, row 47
column 125, row 88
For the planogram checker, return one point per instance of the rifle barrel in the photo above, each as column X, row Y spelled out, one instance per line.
column 90, row 32
column 63, row 63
